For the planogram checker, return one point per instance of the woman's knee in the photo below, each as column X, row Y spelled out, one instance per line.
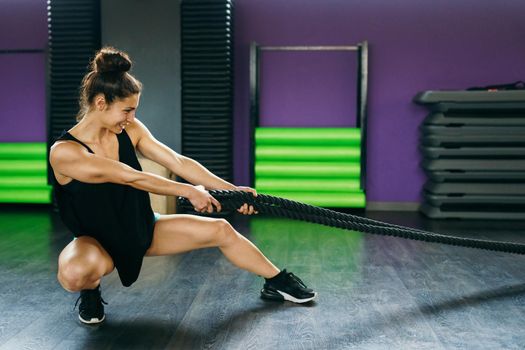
column 74, row 274
column 78, row 269
column 225, row 234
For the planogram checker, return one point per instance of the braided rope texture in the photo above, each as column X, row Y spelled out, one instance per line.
column 281, row 207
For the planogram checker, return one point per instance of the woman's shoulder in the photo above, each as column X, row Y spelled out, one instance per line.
column 65, row 148
column 136, row 131
column 62, row 152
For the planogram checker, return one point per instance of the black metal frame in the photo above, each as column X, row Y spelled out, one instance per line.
column 362, row 94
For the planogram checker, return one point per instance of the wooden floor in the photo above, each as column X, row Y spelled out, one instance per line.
column 375, row 292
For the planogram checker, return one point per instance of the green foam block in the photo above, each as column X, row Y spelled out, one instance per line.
column 307, row 185
column 23, row 150
column 22, row 181
column 23, row 167
column 307, row 170
column 307, row 153
column 17, row 195
column 308, row 136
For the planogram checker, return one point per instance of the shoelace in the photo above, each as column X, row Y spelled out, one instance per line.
column 296, row 279
column 97, row 296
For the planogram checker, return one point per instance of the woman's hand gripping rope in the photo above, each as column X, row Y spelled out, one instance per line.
column 204, row 202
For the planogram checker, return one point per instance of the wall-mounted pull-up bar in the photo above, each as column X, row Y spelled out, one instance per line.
column 309, row 48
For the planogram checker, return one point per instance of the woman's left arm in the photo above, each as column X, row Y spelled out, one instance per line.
column 187, row 168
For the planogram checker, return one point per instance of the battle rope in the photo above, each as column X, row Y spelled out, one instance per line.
column 286, row 208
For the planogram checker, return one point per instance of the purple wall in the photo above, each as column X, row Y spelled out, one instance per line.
column 23, row 25
column 415, row 45
column 320, row 91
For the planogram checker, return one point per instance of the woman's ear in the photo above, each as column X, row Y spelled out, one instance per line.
column 100, row 102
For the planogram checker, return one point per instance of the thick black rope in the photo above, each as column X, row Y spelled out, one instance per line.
column 282, row 207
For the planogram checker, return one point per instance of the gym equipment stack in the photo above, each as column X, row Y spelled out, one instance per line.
column 473, row 148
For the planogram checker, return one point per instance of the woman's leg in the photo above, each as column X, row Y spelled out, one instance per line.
column 181, row 233
column 82, row 263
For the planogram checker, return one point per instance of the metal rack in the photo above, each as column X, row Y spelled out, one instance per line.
column 362, row 94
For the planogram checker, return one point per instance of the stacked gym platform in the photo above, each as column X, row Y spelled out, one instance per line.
column 319, row 166
column 473, row 147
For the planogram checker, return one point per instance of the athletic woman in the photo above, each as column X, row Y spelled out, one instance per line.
column 102, row 195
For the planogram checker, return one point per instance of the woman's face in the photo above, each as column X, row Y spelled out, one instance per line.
column 120, row 113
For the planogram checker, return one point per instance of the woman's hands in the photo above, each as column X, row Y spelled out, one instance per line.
column 203, row 201
column 246, row 209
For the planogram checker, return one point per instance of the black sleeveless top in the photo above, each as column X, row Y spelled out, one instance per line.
column 119, row 217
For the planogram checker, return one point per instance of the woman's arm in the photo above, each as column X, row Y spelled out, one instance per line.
column 185, row 167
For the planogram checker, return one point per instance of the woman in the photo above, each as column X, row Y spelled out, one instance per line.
column 102, row 194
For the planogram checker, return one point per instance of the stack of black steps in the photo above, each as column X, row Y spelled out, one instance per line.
column 207, row 84
column 74, row 35
column 473, row 147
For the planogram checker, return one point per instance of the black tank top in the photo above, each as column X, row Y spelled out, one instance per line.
column 119, row 217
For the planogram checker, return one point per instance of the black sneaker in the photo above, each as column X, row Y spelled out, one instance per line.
column 91, row 310
column 287, row 286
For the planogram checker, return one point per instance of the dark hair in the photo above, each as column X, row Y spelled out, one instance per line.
column 108, row 75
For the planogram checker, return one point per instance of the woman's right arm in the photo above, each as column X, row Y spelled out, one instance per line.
column 71, row 160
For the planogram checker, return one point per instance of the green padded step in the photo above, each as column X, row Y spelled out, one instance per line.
column 308, row 136
column 33, row 150
column 266, row 185
column 319, row 166
column 307, row 153
column 23, row 167
column 17, row 195
column 311, row 170
column 23, row 181
column 324, row 199
column 23, row 173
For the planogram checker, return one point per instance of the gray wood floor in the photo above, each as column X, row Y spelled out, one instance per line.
column 375, row 292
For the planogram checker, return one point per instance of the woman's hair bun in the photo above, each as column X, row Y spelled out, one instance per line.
column 111, row 60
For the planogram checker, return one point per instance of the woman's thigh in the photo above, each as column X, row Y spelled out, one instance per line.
column 86, row 253
column 180, row 233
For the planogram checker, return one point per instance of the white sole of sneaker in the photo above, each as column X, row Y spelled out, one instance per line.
column 92, row 321
column 295, row 300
